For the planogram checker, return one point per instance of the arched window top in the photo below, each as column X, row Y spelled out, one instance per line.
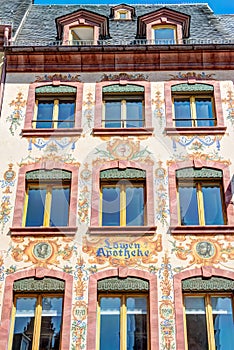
column 129, row 88
column 217, row 284
column 192, row 88
column 123, row 284
column 51, row 89
column 47, row 284
column 199, row 173
column 129, row 173
column 54, row 174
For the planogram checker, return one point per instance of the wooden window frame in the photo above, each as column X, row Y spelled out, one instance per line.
column 192, row 100
column 49, row 186
column 30, row 131
column 100, row 129
column 38, row 316
column 208, row 312
column 171, row 129
column 165, row 26
column 123, row 313
column 122, row 185
column 198, row 184
column 55, row 113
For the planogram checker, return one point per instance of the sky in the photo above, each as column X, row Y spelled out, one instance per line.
column 218, row 6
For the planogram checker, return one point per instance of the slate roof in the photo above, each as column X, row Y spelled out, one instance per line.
column 39, row 23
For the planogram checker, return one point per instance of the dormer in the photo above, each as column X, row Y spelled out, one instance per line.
column 163, row 27
column 122, row 12
column 82, row 27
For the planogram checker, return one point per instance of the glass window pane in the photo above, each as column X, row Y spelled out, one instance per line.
column 134, row 206
column 223, row 322
column 110, row 323
column 51, row 323
column 113, row 114
column 45, row 114
column 196, row 323
column 110, row 206
column 188, row 205
column 204, row 112
column 182, row 112
column 212, row 205
column 36, row 205
column 59, row 211
column 164, row 36
column 134, row 114
column 66, row 114
column 24, row 323
column 136, row 323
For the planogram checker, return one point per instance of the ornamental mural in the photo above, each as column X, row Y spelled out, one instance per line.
column 17, row 114
column 158, row 107
column 7, row 185
column 161, row 184
column 192, row 75
column 196, row 143
column 229, row 102
column 88, row 106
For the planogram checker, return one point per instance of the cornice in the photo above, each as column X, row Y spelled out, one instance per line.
column 119, row 58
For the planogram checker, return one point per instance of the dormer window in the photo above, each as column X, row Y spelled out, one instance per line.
column 164, row 35
column 122, row 12
column 82, row 28
column 163, row 27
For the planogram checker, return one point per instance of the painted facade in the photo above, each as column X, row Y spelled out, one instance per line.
column 161, row 252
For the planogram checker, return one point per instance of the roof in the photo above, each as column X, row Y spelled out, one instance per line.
column 39, row 22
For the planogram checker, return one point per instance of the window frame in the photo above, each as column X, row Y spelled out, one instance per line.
column 175, row 227
column 165, row 26
column 17, row 225
column 48, row 186
column 149, row 227
column 100, row 130
column 123, row 315
column 122, row 210
column 30, row 131
column 192, row 103
column 37, row 316
column 172, row 129
column 208, row 312
column 198, row 184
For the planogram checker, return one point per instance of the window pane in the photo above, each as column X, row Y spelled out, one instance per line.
column 135, row 206
column 212, row 205
column 110, row 206
column 182, row 112
column 188, row 206
column 59, row 211
column 204, row 112
column 35, row 209
column 45, row 114
column 66, row 114
column 134, row 114
column 136, row 323
column 110, row 323
column 24, row 323
column 51, row 323
column 196, row 323
column 164, row 36
column 113, row 114
column 223, row 322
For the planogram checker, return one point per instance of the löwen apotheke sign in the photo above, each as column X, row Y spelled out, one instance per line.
column 122, row 250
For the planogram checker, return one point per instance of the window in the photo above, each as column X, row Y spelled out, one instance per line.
column 200, row 197
column 123, row 316
column 37, row 316
column 123, row 106
column 164, row 35
column 208, row 315
column 193, row 105
column 47, row 198
column 122, row 200
column 82, row 35
column 55, row 107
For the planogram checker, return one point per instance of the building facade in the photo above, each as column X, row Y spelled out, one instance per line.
column 116, row 203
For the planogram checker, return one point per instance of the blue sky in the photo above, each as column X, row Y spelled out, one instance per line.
column 218, row 6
